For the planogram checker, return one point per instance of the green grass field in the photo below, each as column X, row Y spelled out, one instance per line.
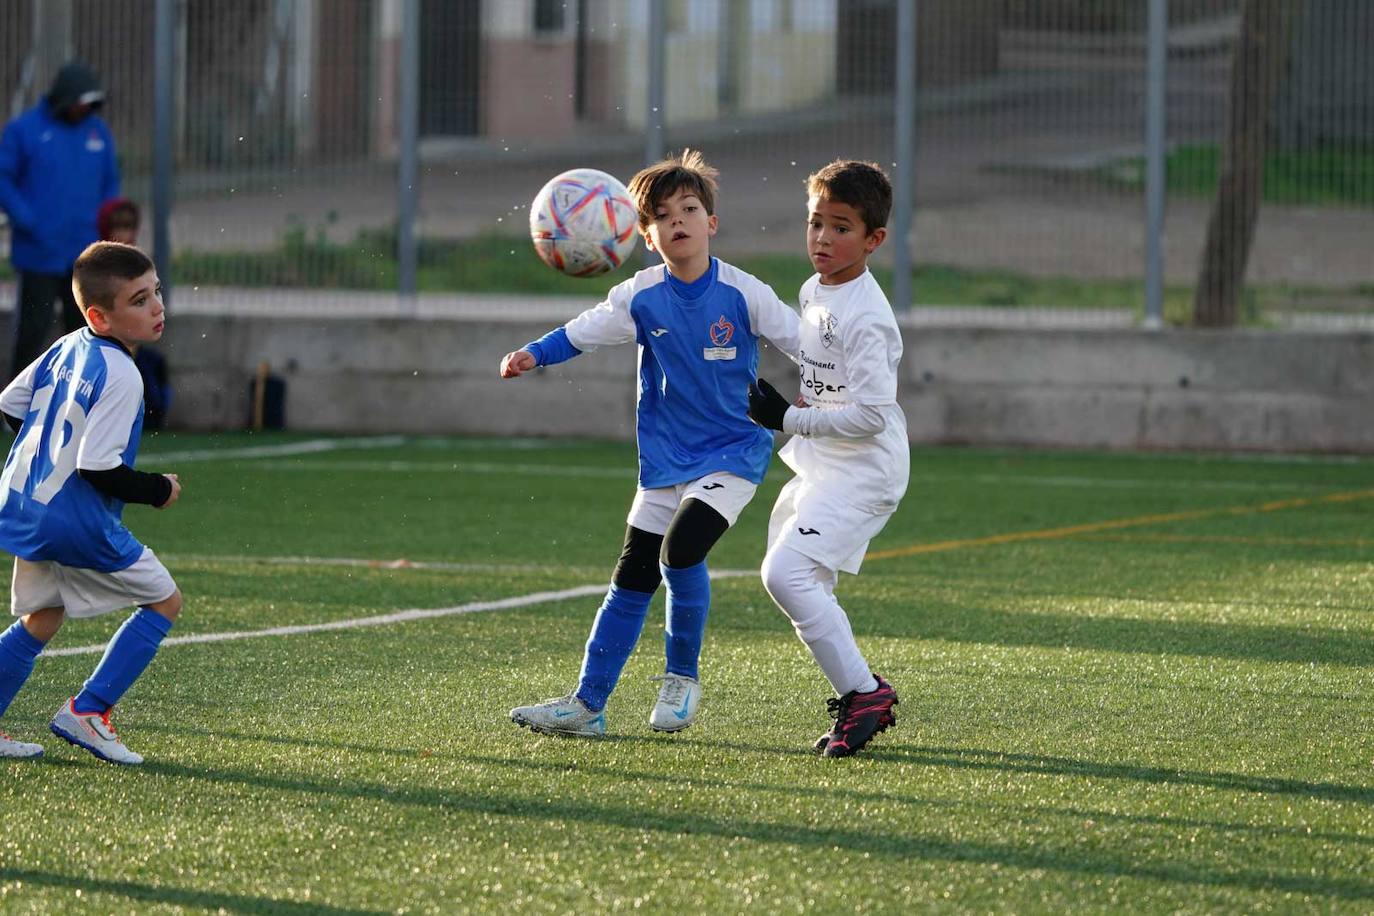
column 1128, row 682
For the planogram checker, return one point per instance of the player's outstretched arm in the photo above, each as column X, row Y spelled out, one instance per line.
column 517, row 363
column 774, row 319
column 129, row 486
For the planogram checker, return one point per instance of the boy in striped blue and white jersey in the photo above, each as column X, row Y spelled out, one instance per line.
column 697, row 322
column 77, row 412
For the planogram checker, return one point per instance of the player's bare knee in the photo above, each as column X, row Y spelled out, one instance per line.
column 169, row 607
column 43, row 625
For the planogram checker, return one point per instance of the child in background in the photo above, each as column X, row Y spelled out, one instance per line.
column 696, row 321
column 78, row 411
column 848, row 447
column 118, row 221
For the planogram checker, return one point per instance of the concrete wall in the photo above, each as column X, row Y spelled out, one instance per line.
column 1178, row 389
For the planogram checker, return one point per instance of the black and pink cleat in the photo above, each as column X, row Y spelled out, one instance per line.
column 858, row 717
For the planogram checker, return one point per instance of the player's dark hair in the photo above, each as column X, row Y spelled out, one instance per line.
column 102, row 268
column 653, row 185
column 862, row 185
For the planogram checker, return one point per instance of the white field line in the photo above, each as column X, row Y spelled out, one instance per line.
column 314, row 446
column 307, row 447
column 563, row 470
column 472, row 607
column 317, row 446
column 358, row 562
column 449, row 467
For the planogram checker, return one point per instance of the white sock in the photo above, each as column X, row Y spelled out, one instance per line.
column 805, row 591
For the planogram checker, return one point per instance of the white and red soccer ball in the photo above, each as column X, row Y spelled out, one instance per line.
column 583, row 223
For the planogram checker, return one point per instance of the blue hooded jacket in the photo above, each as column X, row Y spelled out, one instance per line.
column 54, row 175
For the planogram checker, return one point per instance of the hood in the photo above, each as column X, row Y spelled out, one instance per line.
column 74, row 84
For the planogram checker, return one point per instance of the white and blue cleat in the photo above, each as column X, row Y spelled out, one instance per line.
column 562, row 716
column 678, row 698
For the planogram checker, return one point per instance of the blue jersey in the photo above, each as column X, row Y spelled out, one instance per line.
column 82, row 407
column 697, row 357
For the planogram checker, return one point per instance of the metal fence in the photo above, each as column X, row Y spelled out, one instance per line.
column 1030, row 164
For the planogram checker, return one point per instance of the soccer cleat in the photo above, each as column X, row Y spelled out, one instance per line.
column 677, row 703
column 18, row 749
column 562, row 716
column 858, row 717
column 93, row 731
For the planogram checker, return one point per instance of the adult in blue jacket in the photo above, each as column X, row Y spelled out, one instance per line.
column 57, row 166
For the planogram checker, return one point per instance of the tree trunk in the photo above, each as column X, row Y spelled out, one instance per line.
column 1256, row 67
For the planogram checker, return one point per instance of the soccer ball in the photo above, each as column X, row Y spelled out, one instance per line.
column 583, row 223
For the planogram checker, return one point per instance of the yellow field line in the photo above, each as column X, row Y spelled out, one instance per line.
column 1223, row 539
column 1048, row 534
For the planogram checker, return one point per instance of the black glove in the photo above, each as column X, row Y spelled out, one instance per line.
column 766, row 406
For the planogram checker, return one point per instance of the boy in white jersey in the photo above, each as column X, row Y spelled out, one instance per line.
column 848, row 447
column 78, row 411
column 697, row 322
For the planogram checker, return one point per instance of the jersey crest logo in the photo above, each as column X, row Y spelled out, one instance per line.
column 828, row 325
column 721, row 332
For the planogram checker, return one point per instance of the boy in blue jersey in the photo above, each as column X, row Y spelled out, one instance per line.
column 697, row 322
column 78, row 411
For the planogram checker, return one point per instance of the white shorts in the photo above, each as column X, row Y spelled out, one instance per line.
column 819, row 523
column 653, row 510
column 88, row 592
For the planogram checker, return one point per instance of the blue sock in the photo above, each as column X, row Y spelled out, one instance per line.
column 689, row 601
column 614, row 634
column 129, row 652
column 18, row 651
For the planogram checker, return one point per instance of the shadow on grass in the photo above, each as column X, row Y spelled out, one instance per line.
column 1315, row 645
column 1072, row 859
column 825, row 772
column 976, row 759
column 176, row 896
column 954, row 758
column 407, row 753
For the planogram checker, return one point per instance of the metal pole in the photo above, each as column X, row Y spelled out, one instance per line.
column 164, row 89
column 657, row 52
column 1155, row 71
column 653, row 111
column 904, row 192
column 408, row 166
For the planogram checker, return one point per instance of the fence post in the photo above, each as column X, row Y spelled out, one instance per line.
column 1156, row 63
column 654, row 114
column 164, row 92
column 408, row 159
column 904, row 192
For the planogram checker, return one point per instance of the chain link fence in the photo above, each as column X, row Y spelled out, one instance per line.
column 1029, row 166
